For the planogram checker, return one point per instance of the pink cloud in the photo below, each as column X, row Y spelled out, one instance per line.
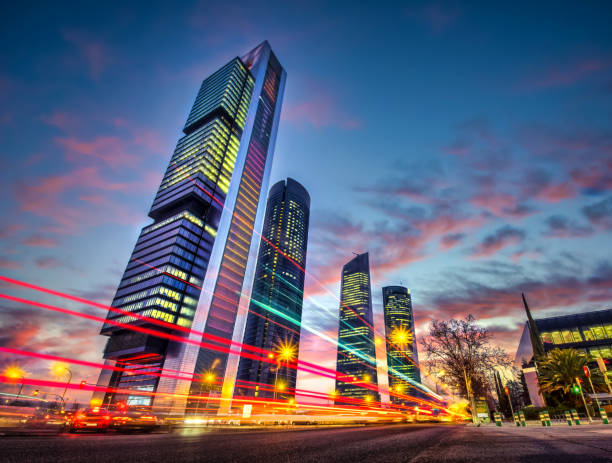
column 93, row 52
column 447, row 222
column 457, row 148
column 502, row 238
column 109, row 149
column 9, row 264
column 61, row 120
column 9, row 230
column 391, row 247
column 150, row 139
column 593, row 177
column 46, row 198
column 320, row 112
column 525, row 254
column 572, row 74
column 554, row 193
column 448, row 242
column 48, row 262
column 317, row 105
column 496, row 203
column 554, row 292
column 40, row 241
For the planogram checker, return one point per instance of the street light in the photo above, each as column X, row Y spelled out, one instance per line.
column 401, row 336
column 286, row 351
column 59, row 369
column 16, row 373
column 208, row 378
column 583, row 400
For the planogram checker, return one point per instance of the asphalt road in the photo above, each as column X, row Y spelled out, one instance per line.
column 396, row 443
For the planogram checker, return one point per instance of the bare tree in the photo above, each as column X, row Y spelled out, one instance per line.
column 459, row 350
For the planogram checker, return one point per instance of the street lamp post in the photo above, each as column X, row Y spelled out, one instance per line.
column 20, row 387
column 208, row 379
column 67, row 383
column 58, row 369
column 584, row 401
column 587, row 373
column 286, row 352
column 507, row 389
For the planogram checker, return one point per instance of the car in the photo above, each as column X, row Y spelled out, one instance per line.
column 93, row 419
column 49, row 419
column 134, row 420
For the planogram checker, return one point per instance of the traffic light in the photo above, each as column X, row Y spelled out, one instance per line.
column 575, row 389
column 83, row 383
column 35, row 392
column 587, row 372
column 507, row 391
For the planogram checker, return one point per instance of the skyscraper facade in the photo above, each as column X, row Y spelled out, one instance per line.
column 192, row 268
column 356, row 376
column 275, row 312
column 402, row 355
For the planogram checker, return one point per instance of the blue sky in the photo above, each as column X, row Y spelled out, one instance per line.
column 466, row 146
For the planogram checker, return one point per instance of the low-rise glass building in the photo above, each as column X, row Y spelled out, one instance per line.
column 589, row 332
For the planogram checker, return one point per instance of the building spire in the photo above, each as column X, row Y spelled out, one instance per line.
column 534, row 335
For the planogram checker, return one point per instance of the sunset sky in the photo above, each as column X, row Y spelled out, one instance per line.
column 467, row 147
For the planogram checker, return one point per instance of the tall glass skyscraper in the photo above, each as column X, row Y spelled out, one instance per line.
column 278, row 291
column 193, row 266
column 356, row 364
column 402, row 355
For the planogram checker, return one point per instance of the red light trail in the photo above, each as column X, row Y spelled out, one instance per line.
column 308, row 367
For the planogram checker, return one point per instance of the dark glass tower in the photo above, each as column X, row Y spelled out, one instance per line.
column 192, row 268
column 356, row 376
column 402, row 356
column 279, row 285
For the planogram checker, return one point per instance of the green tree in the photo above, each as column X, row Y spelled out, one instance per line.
column 558, row 370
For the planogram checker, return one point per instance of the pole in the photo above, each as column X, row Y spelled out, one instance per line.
column 276, row 381
column 110, row 398
column 20, row 389
column 604, row 371
column 510, row 401
column 584, row 401
column 69, row 379
column 594, row 395
column 198, row 401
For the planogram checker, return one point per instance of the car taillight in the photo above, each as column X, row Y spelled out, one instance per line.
column 106, row 417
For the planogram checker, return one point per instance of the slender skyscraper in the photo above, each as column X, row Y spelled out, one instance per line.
column 278, row 291
column 356, row 366
column 402, row 356
column 193, row 267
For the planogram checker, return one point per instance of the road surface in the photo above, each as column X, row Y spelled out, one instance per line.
column 392, row 443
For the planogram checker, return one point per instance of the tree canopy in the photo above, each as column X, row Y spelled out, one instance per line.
column 459, row 352
column 558, row 370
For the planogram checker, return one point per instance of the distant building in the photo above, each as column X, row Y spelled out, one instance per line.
column 402, row 355
column 589, row 332
column 356, row 375
column 278, row 292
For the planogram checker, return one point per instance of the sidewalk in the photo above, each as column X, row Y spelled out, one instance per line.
column 537, row 424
